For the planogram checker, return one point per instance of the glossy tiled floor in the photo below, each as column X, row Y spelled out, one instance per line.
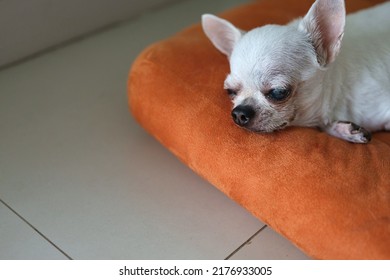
column 80, row 179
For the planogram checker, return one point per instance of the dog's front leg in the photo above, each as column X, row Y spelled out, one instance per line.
column 348, row 131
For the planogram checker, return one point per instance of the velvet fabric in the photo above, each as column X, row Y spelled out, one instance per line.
column 329, row 197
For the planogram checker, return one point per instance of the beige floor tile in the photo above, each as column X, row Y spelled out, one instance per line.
column 18, row 240
column 269, row 245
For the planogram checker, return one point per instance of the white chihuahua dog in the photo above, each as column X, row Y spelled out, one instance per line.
column 289, row 75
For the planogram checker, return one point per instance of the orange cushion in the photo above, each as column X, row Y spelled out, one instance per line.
column 329, row 197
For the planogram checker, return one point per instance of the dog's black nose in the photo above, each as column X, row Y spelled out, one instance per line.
column 242, row 114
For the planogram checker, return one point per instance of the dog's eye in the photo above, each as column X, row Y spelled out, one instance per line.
column 232, row 93
column 278, row 94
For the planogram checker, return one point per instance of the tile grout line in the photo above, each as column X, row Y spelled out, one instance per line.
column 35, row 229
column 246, row 242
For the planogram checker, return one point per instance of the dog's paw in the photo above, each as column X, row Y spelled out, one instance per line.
column 349, row 131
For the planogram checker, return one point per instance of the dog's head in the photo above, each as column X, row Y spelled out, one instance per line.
column 271, row 65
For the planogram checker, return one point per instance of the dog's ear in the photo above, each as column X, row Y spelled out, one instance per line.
column 324, row 23
column 221, row 33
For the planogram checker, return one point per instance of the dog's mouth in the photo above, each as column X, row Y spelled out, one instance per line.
column 283, row 125
column 269, row 129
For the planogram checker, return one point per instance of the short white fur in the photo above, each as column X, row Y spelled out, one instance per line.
column 334, row 70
